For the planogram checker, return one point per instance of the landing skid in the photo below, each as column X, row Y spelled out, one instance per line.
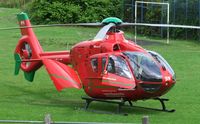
column 122, row 103
column 162, row 101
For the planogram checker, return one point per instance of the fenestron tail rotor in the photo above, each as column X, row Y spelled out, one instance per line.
column 27, row 54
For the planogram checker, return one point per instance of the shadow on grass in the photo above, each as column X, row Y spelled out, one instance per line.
column 112, row 108
column 43, row 97
column 47, row 98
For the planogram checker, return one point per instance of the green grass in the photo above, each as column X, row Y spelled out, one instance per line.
column 22, row 100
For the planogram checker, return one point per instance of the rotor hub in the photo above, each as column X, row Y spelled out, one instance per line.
column 114, row 20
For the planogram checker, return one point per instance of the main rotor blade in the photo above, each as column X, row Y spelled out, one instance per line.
column 160, row 25
column 100, row 24
column 102, row 33
column 56, row 25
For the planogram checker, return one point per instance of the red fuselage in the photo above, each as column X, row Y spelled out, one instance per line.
column 100, row 83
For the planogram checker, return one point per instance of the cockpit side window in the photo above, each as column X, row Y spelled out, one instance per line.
column 117, row 65
column 94, row 63
column 103, row 61
column 111, row 66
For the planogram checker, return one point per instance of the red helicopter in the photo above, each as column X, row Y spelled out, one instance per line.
column 108, row 67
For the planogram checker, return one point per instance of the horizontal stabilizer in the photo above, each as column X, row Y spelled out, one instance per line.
column 62, row 75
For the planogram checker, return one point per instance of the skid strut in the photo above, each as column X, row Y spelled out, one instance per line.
column 162, row 101
column 89, row 100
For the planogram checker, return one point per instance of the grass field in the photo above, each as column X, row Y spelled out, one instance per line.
column 22, row 100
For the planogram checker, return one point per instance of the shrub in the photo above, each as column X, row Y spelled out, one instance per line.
column 70, row 11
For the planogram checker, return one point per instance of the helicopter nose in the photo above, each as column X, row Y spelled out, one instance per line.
column 158, row 87
column 168, row 83
column 168, row 80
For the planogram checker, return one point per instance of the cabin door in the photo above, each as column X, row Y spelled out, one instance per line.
column 116, row 72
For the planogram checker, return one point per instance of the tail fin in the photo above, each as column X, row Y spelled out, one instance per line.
column 24, row 22
column 28, row 48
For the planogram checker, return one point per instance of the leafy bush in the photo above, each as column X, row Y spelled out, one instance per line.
column 70, row 11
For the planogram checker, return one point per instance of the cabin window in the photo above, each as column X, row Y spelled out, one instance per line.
column 117, row 65
column 103, row 61
column 94, row 63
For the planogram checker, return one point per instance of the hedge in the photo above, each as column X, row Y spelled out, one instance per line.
column 72, row 11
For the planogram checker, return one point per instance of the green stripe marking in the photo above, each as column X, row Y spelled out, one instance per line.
column 64, row 78
column 115, row 82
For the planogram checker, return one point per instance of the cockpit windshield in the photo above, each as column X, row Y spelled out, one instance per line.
column 163, row 62
column 144, row 67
